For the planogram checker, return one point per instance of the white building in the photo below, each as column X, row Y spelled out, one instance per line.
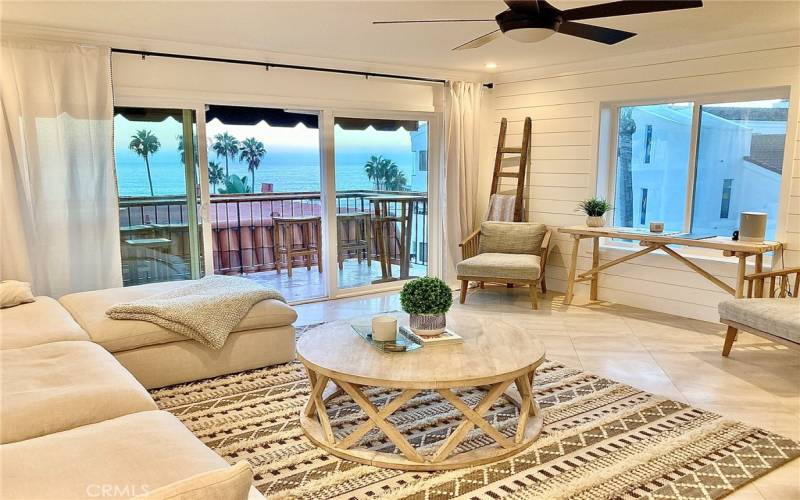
column 732, row 174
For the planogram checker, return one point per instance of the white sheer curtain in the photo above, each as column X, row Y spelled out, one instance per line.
column 462, row 131
column 59, row 226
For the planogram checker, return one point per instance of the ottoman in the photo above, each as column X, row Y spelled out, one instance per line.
column 158, row 357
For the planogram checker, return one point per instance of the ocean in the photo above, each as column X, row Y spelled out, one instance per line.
column 285, row 175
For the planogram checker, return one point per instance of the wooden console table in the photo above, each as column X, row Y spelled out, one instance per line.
column 655, row 241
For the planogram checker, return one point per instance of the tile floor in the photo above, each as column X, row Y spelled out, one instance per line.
column 667, row 355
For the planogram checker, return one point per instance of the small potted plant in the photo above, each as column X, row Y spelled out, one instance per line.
column 595, row 210
column 426, row 300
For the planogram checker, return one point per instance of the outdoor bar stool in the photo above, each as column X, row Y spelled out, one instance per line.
column 309, row 230
column 359, row 243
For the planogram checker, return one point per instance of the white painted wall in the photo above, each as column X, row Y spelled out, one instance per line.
column 219, row 83
column 565, row 104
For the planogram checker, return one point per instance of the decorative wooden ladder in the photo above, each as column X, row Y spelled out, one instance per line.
column 523, row 164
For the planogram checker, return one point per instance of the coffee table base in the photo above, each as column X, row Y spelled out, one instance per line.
column 316, row 426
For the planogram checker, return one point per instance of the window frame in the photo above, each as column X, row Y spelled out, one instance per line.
column 609, row 142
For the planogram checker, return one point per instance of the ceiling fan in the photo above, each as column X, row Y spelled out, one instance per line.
column 534, row 20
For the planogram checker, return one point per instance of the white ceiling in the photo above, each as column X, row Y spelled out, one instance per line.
column 343, row 29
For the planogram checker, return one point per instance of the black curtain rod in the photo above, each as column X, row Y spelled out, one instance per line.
column 268, row 65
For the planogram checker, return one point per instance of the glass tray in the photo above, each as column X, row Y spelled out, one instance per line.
column 400, row 344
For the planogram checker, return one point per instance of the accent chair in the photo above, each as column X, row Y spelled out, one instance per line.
column 513, row 253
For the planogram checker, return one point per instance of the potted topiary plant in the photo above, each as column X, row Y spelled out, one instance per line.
column 426, row 300
column 595, row 210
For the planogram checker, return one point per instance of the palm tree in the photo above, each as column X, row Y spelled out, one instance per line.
column 396, row 181
column 627, row 127
column 225, row 145
column 385, row 173
column 371, row 169
column 215, row 175
column 179, row 137
column 252, row 151
column 144, row 144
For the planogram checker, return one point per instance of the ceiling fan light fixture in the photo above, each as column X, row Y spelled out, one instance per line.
column 529, row 35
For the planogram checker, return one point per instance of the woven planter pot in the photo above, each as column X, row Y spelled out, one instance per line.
column 427, row 325
column 595, row 221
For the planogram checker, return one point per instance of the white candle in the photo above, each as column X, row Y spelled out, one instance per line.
column 384, row 328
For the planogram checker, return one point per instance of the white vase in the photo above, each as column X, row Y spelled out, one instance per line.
column 427, row 325
column 595, row 221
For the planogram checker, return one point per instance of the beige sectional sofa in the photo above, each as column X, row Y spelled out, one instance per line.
column 158, row 357
column 76, row 423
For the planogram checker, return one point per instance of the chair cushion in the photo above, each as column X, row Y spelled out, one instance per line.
column 62, row 385
column 89, row 310
column 779, row 317
column 118, row 458
column 512, row 237
column 501, row 265
column 37, row 323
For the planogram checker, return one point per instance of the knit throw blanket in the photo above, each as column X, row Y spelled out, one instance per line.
column 206, row 310
column 501, row 208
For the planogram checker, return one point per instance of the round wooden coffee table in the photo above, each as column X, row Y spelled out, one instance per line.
column 500, row 360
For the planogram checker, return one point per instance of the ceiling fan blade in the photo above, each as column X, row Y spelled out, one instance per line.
column 435, row 21
column 529, row 7
column 628, row 7
column 480, row 41
column 596, row 33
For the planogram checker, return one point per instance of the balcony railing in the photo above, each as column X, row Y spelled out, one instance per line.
column 243, row 233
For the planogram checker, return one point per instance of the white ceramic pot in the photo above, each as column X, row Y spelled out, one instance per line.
column 427, row 325
column 595, row 221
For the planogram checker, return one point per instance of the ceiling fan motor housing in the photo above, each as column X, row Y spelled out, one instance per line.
column 509, row 20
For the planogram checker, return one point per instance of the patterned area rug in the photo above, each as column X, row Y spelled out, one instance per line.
column 601, row 439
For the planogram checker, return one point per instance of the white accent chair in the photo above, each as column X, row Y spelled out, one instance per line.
column 776, row 317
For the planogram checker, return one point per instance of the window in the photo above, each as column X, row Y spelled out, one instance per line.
column 382, row 199
column 264, row 186
column 648, row 143
column 160, row 232
column 725, row 204
column 739, row 147
column 422, row 166
column 665, row 175
column 643, row 207
column 741, row 142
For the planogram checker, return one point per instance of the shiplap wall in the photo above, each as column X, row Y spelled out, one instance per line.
column 565, row 104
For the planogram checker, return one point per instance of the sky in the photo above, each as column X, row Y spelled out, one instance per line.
column 291, row 163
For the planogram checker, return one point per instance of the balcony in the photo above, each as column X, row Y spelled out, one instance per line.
column 155, row 239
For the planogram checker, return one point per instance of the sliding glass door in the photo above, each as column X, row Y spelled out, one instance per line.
column 381, row 184
column 265, row 210
column 157, row 170
column 265, row 205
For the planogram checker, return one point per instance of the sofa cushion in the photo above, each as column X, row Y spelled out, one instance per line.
column 501, row 265
column 227, row 483
column 14, row 293
column 62, row 385
column 121, row 457
column 512, row 237
column 37, row 323
column 89, row 310
column 177, row 362
column 779, row 317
